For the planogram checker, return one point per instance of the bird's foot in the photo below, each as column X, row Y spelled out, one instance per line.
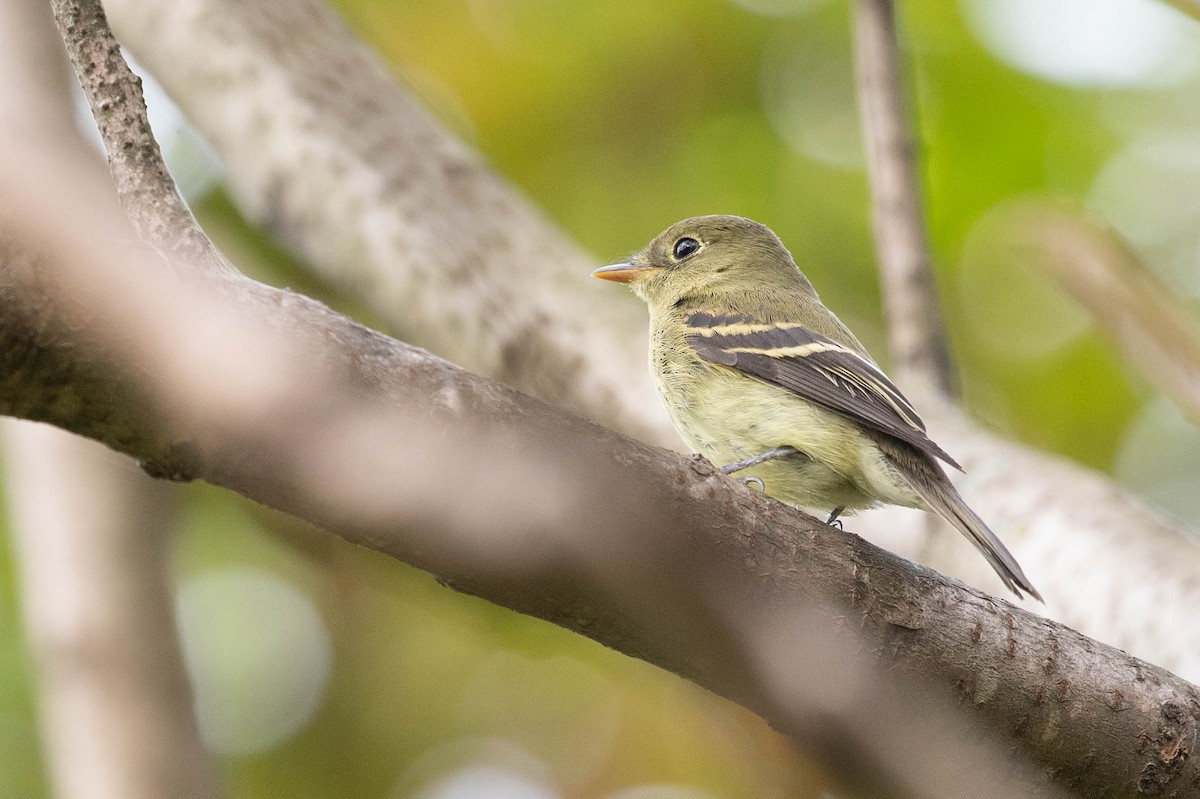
column 771, row 454
column 833, row 520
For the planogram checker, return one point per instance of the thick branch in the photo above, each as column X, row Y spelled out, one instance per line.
column 916, row 331
column 379, row 236
column 381, row 199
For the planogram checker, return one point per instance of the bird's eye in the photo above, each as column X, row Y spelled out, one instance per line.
column 685, row 247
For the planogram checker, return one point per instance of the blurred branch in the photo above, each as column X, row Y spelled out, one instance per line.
column 91, row 535
column 438, row 231
column 915, row 328
column 399, row 451
column 1159, row 336
column 383, row 442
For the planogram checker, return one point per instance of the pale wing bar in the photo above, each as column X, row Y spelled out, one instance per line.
column 814, row 367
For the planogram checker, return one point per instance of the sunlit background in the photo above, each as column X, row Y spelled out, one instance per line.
column 321, row 670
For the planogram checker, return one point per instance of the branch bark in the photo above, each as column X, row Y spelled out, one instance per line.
column 399, row 451
column 154, row 309
column 147, row 191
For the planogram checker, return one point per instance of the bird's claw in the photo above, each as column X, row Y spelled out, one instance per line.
column 762, row 487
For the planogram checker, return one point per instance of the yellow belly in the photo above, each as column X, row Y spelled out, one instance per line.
column 837, row 465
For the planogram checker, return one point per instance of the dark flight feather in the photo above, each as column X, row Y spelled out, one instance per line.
column 815, row 368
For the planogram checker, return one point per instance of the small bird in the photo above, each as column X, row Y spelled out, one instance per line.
column 757, row 374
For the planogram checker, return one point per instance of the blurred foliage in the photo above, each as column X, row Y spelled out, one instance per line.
column 618, row 119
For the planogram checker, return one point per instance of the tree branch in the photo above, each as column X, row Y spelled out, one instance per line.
column 916, row 331
column 147, row 191
column 1158, row 335
column 198, row 425
column 90, row 538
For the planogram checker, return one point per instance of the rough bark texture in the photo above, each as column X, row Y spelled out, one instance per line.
column 147, row 192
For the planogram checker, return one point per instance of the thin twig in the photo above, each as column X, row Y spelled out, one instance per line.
column 916, row 331
column 114, row 94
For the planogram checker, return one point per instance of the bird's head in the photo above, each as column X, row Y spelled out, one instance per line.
column 707, row 256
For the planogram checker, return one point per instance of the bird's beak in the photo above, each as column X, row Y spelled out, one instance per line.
column 621, row 273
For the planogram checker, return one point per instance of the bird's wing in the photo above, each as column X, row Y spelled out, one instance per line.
column 814, row 367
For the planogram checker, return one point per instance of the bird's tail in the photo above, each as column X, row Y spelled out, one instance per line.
column 943, row 499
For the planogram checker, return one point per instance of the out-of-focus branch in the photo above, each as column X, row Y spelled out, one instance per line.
column 916, row 332
column 496, row 493
column 242, row 376
column 1159, row 337
column 90, row 534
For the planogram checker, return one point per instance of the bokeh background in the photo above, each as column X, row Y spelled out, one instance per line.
column 324, row 670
